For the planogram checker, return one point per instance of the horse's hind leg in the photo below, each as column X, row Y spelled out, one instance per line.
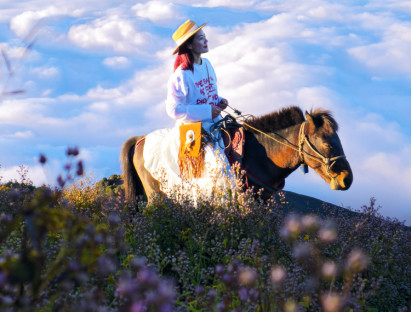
column 151, row 185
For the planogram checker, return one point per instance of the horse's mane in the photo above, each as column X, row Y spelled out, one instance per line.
column 291, row 116
column 323, row 118
column 281, row 119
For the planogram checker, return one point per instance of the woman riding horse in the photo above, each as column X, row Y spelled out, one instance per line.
column 270, row 155
column 285, row 140
column 192, row 97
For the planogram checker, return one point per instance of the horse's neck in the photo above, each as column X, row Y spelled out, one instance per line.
column 281, row 154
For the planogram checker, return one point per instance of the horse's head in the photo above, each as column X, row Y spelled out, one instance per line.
column 322, row 149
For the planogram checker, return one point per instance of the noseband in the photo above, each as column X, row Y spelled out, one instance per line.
column 328, row 162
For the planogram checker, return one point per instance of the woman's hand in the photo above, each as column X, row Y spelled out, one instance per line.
column 215, row 111
column 223, row 104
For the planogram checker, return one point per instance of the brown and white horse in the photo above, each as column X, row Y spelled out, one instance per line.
column 276, row 144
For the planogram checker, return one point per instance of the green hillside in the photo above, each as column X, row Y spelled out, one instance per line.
column 84, row 248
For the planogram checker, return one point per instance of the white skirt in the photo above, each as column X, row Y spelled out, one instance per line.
column 161, row 160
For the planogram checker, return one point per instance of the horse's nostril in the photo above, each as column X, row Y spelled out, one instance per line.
column 347, row 181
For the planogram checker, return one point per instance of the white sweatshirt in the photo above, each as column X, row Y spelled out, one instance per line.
column 191, row 94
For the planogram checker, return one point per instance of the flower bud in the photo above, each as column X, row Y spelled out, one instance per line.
column 329, row 270
column 138, row 263
column 147, row 277
column 302, row 251
column 332, row 302
column 211, row 294
column 113, row 219
column 42, row 159
column 247, row 276
column 137, row 307
column 219, row 269
column 357, row 261
column 105, row 266
column 310, row 223
column 80, row 169
column 291, row 229
column 278, row 274
column 242, row 294
column 3, row 279
column 72, row 151
column 125, row 287
column 328, row 233
column 199, row 290
column 227, row 279
column 254, row 294
column 61, row 181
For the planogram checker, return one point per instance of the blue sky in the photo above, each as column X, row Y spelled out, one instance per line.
column 98, row 70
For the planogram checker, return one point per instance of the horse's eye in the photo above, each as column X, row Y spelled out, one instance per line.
column 326, row 145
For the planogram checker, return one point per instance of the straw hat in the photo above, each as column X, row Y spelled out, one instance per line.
column 185, row 31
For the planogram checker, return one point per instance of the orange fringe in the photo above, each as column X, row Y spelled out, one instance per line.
column 191, row 167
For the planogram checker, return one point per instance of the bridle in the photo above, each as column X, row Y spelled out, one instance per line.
column 302, row 139
column 328, row 162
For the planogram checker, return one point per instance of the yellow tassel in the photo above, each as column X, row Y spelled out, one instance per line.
column 191, row 153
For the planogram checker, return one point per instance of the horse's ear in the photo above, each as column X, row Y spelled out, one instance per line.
column 309, row 118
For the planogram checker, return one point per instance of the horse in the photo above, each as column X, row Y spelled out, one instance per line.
column 276, row 144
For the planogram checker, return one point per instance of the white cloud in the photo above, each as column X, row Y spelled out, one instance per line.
column 324, row 13
column 35, row 174
column 146, row 87
column 228, row 3
column 23, row 23
column 21, row 135
column 44, row 117
column 99, row 93
column 386, row 175
column 400, row 6
column 159, row 12
column 376, row 130
column 309, row 98
column 46, row 93
column 373, row 22
column 86, row 155
column 12, row 52
column 100, row 106
column 20, row 112
column 391, row 54
column 254, row 64
column 45, row 72
column 386, row 166
column 112, row 33
column 116, row 61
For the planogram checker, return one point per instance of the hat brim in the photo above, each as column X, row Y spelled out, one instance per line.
column 186, row 37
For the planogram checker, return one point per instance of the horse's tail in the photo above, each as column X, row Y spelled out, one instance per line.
column 132, row 182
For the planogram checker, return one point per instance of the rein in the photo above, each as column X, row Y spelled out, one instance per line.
column 302, row 138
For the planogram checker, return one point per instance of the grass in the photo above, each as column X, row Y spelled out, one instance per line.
column 82, row 247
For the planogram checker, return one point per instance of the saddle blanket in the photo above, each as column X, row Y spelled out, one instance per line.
column 161, row 160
